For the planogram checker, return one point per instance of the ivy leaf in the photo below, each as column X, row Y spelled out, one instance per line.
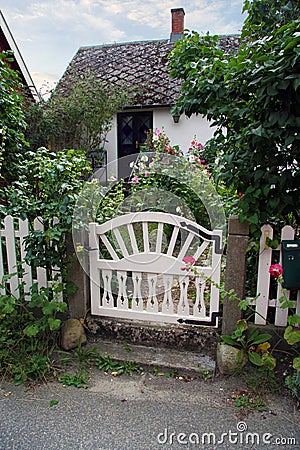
column 54, row 324
column 268, row 361
column 32, row 330
column 243, row 305
column 291, row 336
column 296, row 363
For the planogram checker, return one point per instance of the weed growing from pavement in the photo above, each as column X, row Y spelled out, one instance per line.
column 78, row 380
column 246, row 401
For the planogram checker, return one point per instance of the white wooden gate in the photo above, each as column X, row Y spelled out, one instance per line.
column 137, row 269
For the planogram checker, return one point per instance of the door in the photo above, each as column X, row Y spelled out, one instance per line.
column 132, row 133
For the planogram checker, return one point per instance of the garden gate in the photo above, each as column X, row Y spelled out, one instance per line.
column 137, row 269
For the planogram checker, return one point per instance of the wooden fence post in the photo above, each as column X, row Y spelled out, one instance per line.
column 78, row 302
column 235, row 276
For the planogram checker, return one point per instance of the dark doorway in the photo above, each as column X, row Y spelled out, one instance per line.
column 132, row 133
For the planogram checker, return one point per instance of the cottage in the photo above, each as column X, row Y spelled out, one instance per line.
column 143, row 65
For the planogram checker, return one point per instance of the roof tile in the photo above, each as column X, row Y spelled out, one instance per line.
column 141, row 64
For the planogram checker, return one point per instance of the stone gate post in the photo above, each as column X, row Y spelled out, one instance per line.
column 235, row 277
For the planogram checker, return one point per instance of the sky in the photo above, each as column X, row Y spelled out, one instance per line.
column 49, row 32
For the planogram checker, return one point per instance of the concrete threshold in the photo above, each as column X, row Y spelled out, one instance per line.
column 162, row 359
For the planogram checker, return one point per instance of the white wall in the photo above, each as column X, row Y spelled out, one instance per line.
column 181, row 133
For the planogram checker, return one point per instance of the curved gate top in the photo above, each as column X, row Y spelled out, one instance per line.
column 137, row 269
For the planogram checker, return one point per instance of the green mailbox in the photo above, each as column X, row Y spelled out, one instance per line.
column 291, row 264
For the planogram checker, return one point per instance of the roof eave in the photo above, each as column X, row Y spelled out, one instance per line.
column 18, row 57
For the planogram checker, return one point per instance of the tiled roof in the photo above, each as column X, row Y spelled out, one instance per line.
column 138, row 64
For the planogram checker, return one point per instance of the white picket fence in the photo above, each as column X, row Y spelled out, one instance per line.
column 264, row 302
column 12, row 253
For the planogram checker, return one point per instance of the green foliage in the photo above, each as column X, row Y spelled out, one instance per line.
column 254, row 95
column 26, row 335
column 48, row 188
column 186, row 178
column 252, row 343
column 107, row 364
column 78, row 116
column 78, row 380
column 244, row 400
column 293, row 383
column 291, row 336
column 12, row 120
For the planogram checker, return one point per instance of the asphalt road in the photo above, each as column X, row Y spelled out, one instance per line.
column 142, row 412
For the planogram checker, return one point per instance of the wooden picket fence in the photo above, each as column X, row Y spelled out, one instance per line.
column 12, row 255
column 265, row 301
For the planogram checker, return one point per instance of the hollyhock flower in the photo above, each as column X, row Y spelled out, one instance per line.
column 276, row 270
column 147, row 173
column 158, row 133
column 151, row 164
column 189, row 260
column 134, row 180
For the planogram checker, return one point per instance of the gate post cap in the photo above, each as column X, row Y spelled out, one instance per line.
column 236, row 227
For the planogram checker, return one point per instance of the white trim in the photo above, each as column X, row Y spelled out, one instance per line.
column 18, row 57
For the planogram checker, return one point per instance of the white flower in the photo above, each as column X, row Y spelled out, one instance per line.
column 144, row 158
column 131, row 164
column 191, row 158
column 155, row 138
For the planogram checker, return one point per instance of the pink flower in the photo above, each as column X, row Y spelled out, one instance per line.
column 134, row 180
column 147, row 173
column 189, row 260
column 158, row 133
column 276, row 270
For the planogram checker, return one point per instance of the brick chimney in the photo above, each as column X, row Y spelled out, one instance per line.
column 177, row 24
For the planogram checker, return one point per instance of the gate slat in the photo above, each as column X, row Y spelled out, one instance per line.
column 120, row 241
column 173, row 241
column 137, row 299
column 263, row 281
column 168, row 305
column 132, row 238
column 41, row 272
column 27, row 276
column 146, row 237
column 11, row 254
